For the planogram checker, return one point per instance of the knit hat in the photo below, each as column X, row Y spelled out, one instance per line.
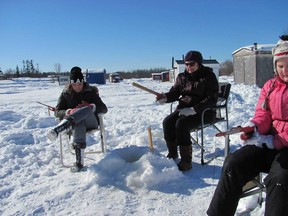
column 281, row 49
column 193, row 56
column 76, row 75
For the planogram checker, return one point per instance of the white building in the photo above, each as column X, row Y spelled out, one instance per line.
column 179, row 67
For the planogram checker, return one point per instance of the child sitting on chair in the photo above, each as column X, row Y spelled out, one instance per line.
column 77, row 107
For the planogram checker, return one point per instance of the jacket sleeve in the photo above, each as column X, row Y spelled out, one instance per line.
column 100, row 105
column 262, row 117
column 175, row 91
column 210, row 94
column 61, row 107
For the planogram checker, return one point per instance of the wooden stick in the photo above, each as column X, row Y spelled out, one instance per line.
column 145, row 89
column 150, row 139
column 49, row 107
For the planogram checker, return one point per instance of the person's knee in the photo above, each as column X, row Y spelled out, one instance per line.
column 279, row 178
column 230, row 163
column 166, row 121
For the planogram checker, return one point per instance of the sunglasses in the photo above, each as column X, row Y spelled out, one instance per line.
column 190, row 64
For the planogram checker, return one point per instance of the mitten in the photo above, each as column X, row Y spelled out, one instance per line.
column 247, row 135
column 86, row 104
column 260, row 140
column 161, row 99
column 248, row 124
column 70, row 111
column 187, row 111
column 265, row 140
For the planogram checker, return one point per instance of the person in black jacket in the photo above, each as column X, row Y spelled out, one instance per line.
column 78, row 107
column 195, row 90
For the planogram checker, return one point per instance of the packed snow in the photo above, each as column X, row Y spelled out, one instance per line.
column 129, row 178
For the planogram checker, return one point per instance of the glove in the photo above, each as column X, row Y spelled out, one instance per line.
column 187, row 111
column 249, row 124
column 260, row 140
column 70, row 111
column 161, row 99
column 247, row 135
column 85, row 104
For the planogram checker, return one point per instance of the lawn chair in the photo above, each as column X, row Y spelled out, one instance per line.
column 221, row 106
column 255, row 186
column 65, row 138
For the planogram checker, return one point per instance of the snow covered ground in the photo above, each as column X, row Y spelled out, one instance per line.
column 128, row 179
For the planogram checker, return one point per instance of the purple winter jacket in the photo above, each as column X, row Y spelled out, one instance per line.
column 274, row 119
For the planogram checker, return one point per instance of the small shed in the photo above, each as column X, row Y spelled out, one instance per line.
column 179, row 66
column 156, row 76
column 163, row 76
column 63, row 80
column 95, row 76
column 253, row 64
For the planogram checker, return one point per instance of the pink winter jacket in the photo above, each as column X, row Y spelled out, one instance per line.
column 274, row 119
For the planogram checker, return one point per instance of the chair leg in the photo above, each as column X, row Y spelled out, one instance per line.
column 102, row 134
column 102, row 141
column 61, row 152
column 255, row 186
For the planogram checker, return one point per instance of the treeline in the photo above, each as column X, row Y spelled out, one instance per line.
column 29, row 69
column 140, row 73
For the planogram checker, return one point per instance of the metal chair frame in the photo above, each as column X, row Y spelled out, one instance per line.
column 255, row 186
column 222, row 104
column 67, row 134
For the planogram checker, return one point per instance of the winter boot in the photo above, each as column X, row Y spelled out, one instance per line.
column 172, row 150
column 186, row 158
column 63, row 125
column 79, row 145
column 79, row 159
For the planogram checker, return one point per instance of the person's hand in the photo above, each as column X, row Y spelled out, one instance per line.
column 83, row 104
column 248, row 124
column 187, row 111
column 86, row 104
column 161, row 99
column 70, row 111
column 247, row 135
column 260, row 140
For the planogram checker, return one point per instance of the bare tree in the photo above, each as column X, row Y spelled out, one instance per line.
column 226, row 68
column 57, row 68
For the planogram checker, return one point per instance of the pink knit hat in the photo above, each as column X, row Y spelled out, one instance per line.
column 281, row 49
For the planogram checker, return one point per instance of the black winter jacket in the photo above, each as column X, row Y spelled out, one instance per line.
column 70, row 99
column 198, row 90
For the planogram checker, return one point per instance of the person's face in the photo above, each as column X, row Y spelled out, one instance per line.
column 191, row 66
column 77, row 87
column 282, row 68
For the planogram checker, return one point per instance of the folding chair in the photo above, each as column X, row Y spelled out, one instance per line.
column 255, row 186
column 221, row 106
column 66, row 136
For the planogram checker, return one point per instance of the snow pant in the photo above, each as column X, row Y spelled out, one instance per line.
column 242, row 166
column 84, row 120
column 177, row 128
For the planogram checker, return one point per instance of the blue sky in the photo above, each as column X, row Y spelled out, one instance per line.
column 132, row 34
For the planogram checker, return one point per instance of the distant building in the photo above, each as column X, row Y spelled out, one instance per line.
column 63, row 80
column 179, row 67
column 115, row 78
column 163, row 76
column 156, row 76
column 95, row 76
column 253, row 64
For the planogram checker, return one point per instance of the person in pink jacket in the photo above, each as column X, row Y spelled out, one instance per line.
column 264, row 150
